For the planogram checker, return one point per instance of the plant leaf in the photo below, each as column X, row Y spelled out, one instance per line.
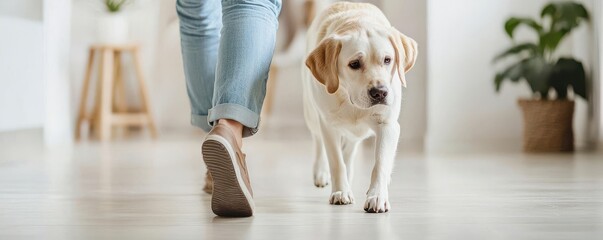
column 518, row 49
column 537, row 72
column 565, row 16
column 569, row 72
column 541, row 75
column 498, row 79
column 559, row 81
column 514, row 22
column 551, row 40
column 513, row 72
column 114, row 5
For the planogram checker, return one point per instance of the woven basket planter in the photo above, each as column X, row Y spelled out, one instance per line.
column 548, row 125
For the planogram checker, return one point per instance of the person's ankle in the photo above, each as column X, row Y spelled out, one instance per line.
column 236, row 127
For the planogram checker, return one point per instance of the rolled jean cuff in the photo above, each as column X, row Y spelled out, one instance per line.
column 200, row 121
column 248, row 118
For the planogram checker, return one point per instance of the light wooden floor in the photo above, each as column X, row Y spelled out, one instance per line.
column 152, row 190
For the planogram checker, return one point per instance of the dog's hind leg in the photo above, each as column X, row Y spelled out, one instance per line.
column 322, row 176
column 349, row 149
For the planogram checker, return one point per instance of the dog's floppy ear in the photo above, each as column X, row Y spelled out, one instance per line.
column 323, row 63
column 406, row 53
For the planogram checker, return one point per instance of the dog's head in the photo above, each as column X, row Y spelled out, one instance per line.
column 363, row 61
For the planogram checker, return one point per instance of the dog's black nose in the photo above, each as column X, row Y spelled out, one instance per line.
column 378, row 94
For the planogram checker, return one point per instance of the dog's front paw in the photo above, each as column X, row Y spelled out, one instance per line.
column 376, row 203
column 322, row 179
column 341, row 198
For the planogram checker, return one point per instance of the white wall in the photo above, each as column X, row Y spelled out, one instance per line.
column 57, row 30
column 21, row 54
column 582, row 45
column 173, row 110
column 25, row 9
column 459, row 97
column 598, row 85
column 464, row 35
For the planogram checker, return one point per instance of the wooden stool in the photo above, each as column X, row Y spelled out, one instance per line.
column 110, row 108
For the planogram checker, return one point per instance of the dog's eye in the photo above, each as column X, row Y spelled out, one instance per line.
column 355, row 64
column 387, row 60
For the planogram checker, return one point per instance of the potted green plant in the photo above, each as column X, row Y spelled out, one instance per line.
column 113, row 23
column 554, row 81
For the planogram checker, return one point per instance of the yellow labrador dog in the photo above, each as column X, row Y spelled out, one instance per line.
column 352, row 90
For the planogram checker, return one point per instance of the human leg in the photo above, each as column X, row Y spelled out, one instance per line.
column 244, row 57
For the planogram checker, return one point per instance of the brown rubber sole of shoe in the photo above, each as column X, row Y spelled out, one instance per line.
column 229, row 199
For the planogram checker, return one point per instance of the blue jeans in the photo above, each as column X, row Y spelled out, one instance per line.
column 227, row 47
